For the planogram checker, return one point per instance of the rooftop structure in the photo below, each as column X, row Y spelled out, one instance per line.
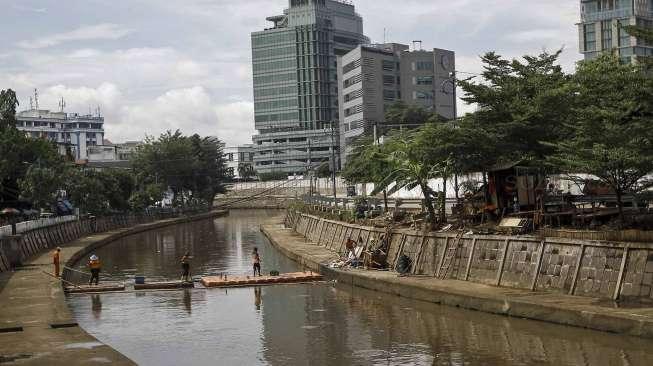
column 72, row 132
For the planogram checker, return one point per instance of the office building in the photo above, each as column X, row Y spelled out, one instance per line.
column 600, row 29
column 295, row 83
column 374, row 77
column 73, row 133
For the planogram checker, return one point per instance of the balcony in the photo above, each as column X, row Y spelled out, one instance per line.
column 605, row 15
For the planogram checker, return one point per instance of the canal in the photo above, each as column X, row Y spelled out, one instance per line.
column 315, row 324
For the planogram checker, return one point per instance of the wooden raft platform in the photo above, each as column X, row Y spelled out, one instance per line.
column 163, row 285
column 216, row 281
column 102, row 287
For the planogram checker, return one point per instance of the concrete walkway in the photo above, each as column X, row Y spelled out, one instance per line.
column 552, row 307
column 35, row 301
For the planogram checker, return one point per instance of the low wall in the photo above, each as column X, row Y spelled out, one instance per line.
column 25, row 226
column 611, row 270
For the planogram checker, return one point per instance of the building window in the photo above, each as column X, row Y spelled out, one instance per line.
column 606, row 34
column 424, row 65
column 388, row 80
column 424, row 80
column 423, row 95
column 590, row 37
column 389, row 95
column 388, row 65
column 351, row 66
column 354, row 95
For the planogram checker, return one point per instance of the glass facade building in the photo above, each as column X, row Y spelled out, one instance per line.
column 295, row 83
column 601, row 28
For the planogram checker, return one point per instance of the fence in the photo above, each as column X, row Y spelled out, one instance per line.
column 597, row 269
column 24, row 226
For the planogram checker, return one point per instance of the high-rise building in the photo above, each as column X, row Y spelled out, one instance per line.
column 295, row 83
column 373, row 77
column 601, row 28
column 73, row 133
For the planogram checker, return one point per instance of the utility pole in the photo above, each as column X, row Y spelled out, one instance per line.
column 309, row 168
column 376, row 142
column 333, row 164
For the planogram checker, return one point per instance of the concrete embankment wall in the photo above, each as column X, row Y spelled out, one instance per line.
column 586, row 268
column 15, row 250
column 76, row 257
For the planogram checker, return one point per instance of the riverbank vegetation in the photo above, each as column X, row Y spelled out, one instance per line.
column 596, row 121
column 174, row 168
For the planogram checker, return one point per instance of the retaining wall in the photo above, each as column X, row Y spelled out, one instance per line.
column 15, row 250
column 613, row 270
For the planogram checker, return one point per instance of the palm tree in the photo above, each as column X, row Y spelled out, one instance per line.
column 410, row 169
column 246, row 171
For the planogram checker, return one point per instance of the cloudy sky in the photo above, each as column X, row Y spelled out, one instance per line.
column 153, row 65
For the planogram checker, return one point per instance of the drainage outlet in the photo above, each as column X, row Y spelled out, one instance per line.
column 63, row 325
column 11, row 330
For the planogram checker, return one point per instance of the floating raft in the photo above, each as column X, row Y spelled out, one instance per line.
column 163, row 285
column 216, row 281
column 102, row 287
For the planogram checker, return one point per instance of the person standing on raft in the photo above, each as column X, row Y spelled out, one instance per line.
column 95, row 266
column 256, row 262
column 185, row 267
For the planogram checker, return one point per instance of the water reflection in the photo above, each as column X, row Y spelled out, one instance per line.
column 96, row 305
column 187, row 301
column 257, row 298
column 315, row 324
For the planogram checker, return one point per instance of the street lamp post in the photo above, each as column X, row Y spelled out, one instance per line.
column 333, row 163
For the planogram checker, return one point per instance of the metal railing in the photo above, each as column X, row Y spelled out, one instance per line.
column 605, row 15
column 24, row 226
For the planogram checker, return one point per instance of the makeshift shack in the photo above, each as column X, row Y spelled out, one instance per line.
column 515, row 187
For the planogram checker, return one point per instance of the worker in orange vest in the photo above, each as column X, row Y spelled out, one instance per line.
column 95, row 266
column 55, row 261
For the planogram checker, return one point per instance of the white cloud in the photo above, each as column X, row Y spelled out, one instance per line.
column 85, row 33
column 85, row 53
column 29, row 9
column 183, row 70
column 531, row 35
column 191, row 110
column 107, row 96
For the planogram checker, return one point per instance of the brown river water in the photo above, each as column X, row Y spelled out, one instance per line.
column 314, row 324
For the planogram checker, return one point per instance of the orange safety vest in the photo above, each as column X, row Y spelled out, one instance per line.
column 94, row 264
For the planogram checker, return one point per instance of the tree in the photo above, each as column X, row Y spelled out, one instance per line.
column 324, row 170
column 646, row 35
column 246, row 171
column 192, row 167
column 409, row 169
column 146, row 197
column 8, row 105
column 521, row 106
column 611, row 122
column 18, row 152
column 367, row 164
column 40, row 186
column 411, row 116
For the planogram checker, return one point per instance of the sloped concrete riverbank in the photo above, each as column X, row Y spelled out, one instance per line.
column 36, row 326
